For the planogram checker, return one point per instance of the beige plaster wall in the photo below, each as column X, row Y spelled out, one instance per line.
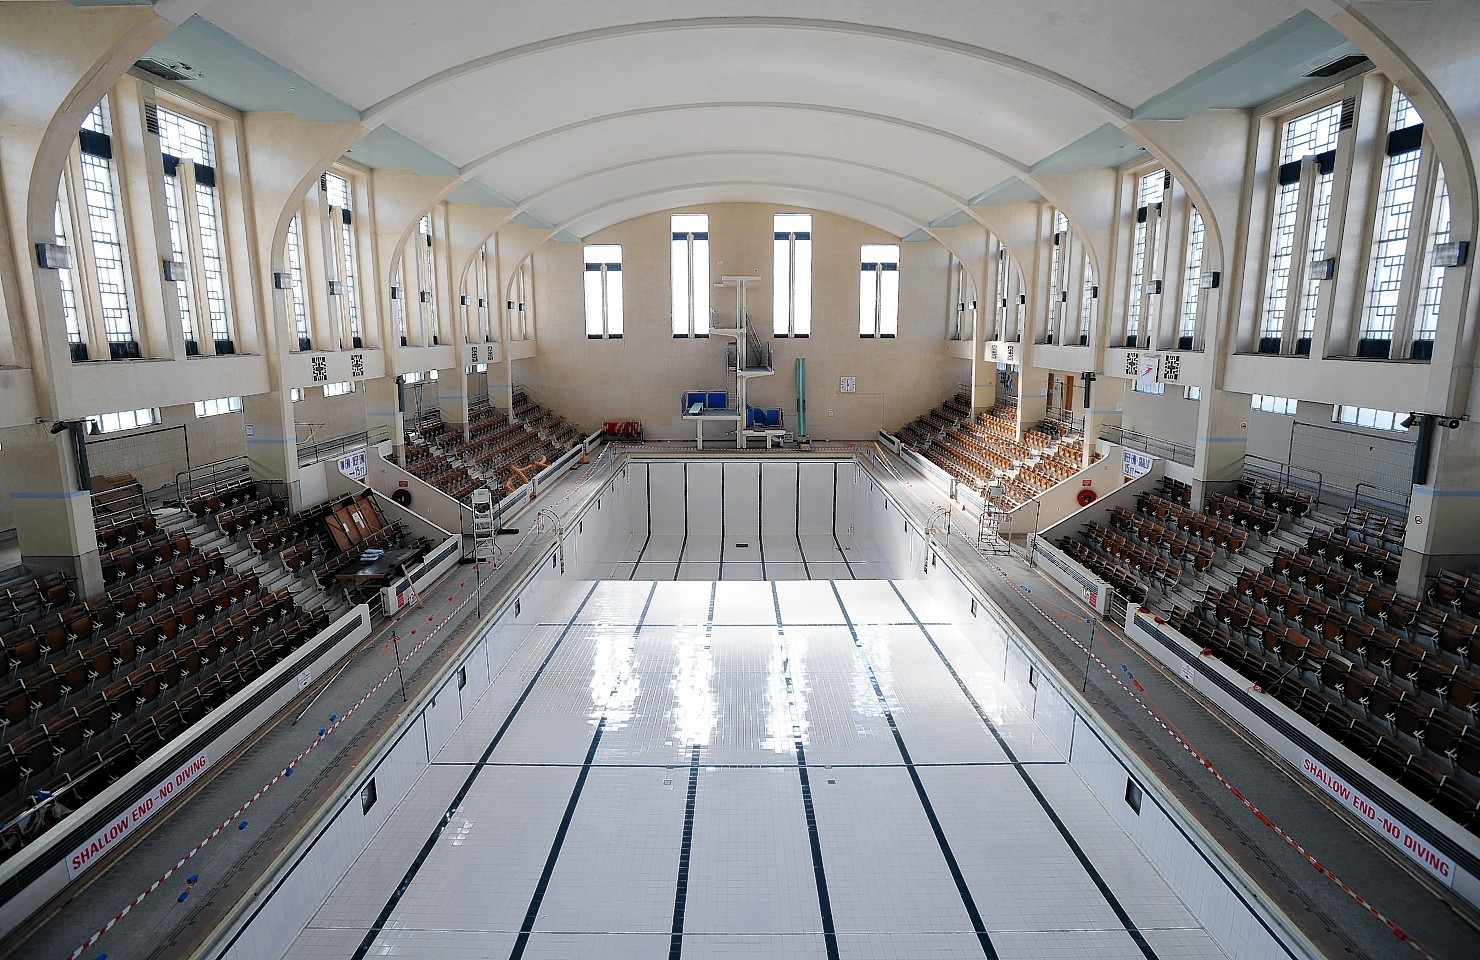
column 643, row 375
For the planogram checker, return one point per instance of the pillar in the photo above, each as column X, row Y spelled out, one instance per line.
column 1444, row 515
column 452, row 398
column 272, row 441
column 1103, row 408
column 383, row 413
column 1222, row 441
column 53, row 513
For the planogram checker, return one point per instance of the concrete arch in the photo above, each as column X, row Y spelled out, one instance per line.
column 378, row 113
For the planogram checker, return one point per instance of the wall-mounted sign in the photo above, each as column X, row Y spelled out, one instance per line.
column 353, row 465
column 1135, row 463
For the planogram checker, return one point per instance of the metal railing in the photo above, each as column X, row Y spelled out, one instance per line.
column 208, row 475
column 324, row 449
column 1368, row 496
column 1287, row 475
column 1167, row 449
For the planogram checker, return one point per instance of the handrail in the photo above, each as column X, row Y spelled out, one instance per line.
column 1171, row 450
column 214, row 471
column 312, row 453
column 1394, row 507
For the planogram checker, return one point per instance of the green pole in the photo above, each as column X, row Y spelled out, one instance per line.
column 801, row 396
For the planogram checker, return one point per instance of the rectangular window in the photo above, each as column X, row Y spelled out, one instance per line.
column 1280, row 405
column 1150, row 189
column 297, row 296
column 1393, row 221
column 1426, row 322
column 1004, row 278
column 105, row 233
column 214, row 408
column 604, row 291
column 690, row 273
column 70, row 313
column 791, row 274
column 1058, row 272
column 1307, row 150
column 339, row 389
column 122, row 420
column 1367, row 417
column 963, row 313
column 1133, row 795
column 194, row 206
column 340, row 241
column 1089, row 292
column 878, row 290
column 426, row 275
column 1191, row 283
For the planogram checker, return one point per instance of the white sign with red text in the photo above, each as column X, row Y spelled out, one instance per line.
column 114, row 833
column 1381, row 821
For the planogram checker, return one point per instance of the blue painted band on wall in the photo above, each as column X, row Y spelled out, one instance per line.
column 1431, row 492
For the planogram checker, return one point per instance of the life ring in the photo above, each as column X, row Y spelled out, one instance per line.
column 1087, row 497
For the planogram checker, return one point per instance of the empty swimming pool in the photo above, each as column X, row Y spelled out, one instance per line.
column 819, row 764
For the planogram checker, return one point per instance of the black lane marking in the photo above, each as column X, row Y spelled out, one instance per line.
column 431, row 842
column 967, row 900
column 721, row 575
column 681, row 891
column 532, row 914
column 648, row 475
column 797, row 530
column 760, row 518
column 526, row 929
column 678, row 565
column 555, row 765
column 1079, row 854
column 836, row 541
column 814, row 839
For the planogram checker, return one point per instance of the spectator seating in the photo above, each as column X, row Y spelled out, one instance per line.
column 984, row 450
column 93, row 687
column 494, row 447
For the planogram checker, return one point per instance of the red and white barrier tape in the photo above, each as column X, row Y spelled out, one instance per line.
column 325, row 733
column 1202, row 761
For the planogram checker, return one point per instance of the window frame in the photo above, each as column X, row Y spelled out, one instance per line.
column 1299, row 189
column 217, row 406
column 874, row 323
column 689, row 275
column 607, row 321
column 196, row 189
column 791, row 262
column 93, row 299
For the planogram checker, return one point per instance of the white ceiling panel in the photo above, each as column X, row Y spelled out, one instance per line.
column 566, row 106
column 527, row 171
column 918, row 201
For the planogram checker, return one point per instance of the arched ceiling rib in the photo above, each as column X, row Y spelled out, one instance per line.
column 948, row 96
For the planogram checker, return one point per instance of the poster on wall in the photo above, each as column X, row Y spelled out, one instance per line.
column 353, row 465
column 1148, row 373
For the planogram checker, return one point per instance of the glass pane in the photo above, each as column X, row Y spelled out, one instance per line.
column 701, row 287
column 781, row 287
column 679, row 261
column 888, row 303
column 801, row 323
column 593, row 303
column 868, row 303
column 613, row 302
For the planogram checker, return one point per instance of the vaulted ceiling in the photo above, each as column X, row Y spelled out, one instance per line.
column 894, row 113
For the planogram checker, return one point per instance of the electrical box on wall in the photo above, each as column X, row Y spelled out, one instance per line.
column 847, row 385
